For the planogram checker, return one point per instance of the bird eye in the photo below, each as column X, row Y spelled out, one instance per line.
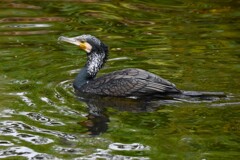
column 82, row 41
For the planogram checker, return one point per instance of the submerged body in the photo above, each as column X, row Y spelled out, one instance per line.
column 130, row 82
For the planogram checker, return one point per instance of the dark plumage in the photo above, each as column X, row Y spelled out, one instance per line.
column 129, row 82
column 124, row 83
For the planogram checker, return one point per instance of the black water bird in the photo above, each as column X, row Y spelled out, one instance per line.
column 130, row 82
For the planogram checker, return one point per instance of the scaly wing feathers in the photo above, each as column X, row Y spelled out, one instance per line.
column 130, row 82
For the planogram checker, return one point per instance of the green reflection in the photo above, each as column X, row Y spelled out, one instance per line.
column 193, row 44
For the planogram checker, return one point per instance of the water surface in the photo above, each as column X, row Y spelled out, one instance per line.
column 193, row 44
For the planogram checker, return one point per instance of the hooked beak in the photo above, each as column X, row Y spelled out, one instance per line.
column 82, row 44
column 69, row 40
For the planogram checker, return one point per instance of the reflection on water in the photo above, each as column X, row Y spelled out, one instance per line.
column 193, row 44
column 97, row 118
column 106, row 154
column 24, row 152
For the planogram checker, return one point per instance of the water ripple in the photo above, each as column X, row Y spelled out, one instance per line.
column 26, row 26
column 64, row 150
column 24, row 152
column 32, row 19
column 5, row 143
column 24, row 98
column 128, row 147
column 43, row 119
column 193, row 44
column 11, row 127
column 33, row 138
column 13, row 33
column 7, row 113
column 106, row 154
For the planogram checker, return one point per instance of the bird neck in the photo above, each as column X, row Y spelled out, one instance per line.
column 94, row 63
column 81, row 78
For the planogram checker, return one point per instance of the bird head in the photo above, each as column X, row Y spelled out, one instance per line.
column 86, row 42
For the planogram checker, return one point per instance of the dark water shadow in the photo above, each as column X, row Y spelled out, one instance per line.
column 98, row 117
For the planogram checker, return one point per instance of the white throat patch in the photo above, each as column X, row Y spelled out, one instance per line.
column 96, row 61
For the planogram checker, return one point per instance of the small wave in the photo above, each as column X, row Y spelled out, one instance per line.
column 24, row 152
column 24, row 98
column 26, row 26
column 12, row 127
column 128, row 147
column 41, row 118
column 6, row 143
column 106, row 154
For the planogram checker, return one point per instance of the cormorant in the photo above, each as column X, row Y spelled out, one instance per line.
column 131, row 82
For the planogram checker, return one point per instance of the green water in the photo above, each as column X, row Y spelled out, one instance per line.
column 193, row 44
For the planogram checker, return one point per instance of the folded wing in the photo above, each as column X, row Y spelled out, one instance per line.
column 130, row 82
